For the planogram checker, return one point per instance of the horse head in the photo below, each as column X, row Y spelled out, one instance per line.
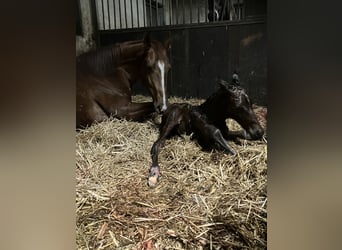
column 156, row 66
column 238, row 106
column 217, row 10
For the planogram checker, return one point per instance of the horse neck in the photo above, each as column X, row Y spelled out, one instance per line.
column 130, row 59
column 129, row 51
column 213, row 106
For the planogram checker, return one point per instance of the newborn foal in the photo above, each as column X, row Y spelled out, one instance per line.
column 207, row 122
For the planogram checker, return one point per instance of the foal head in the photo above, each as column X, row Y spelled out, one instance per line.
column 156, row 66
column 237, row 105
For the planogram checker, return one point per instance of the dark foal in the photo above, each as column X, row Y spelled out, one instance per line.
column 207, row 135
column 207, row 122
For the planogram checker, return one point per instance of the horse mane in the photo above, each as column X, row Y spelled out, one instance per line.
column 101, row 61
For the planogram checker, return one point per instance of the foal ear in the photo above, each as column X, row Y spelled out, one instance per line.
column 150, row 57
column 235, row 78
column 223, row 84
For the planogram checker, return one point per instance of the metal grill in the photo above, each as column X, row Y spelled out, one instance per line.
column 129, row 14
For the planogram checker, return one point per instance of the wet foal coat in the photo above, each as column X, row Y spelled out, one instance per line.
column 207, row 122
column 105, row 78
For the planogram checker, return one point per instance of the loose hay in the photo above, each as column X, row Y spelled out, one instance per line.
column 203, row 200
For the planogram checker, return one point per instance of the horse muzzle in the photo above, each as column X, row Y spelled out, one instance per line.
column 160, row 108
column 256, row 132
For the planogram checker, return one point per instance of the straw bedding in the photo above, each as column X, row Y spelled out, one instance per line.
column 204, row 200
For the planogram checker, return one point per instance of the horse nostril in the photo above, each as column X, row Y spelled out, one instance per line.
column 259, row 133
column 158, row 109
column 164, row 107
column 256, row 133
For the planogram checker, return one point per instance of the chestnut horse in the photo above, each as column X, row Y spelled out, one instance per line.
column 105, row 77
column 207, row 122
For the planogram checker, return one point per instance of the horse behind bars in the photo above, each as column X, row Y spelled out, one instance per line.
column 207, row 122
column 220, row 10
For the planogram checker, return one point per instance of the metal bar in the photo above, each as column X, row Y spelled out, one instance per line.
column 225, row 9
column 238, row 9
column 95, row 22
column 103, row 18
column 183, row 13
column 120, row 14
column 253, row 20
column 190, row 11
column 157, row 17
column 176, row 11
column 150, row 13
column 144, row 7
column 163, row 11
column 79, row 19
column 206, row 11
column 132, row 13
column 108, row 14
column 170, row 11
column 125, row 7
column 234, row 16
column 198, row 12
column 136, row 2
column 114, row 15
column 214, row 13
column 229, row 8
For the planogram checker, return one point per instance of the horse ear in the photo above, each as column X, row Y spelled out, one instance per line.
column 223, row 84
column 150, row 57
column 150, row 54
column 167, row 44
column 235, row 78
column 147, row 40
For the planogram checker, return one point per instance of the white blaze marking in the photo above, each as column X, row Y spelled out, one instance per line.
column 162, row 72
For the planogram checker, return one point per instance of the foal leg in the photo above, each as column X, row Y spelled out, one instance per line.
column 165, row 131
column 231, row 135
column 234, row 135
column 217, row 136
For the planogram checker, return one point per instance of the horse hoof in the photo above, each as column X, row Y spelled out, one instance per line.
column 152, row 181
column 231, row 152
column 154, row 176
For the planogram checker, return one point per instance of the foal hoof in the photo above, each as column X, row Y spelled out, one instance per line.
column 154, row 177
column 231, row 152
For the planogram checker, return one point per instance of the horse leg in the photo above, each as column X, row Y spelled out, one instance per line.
column 217, row 136
column 165, row 132
column 230, row 135
column 89, row 112
column 234, row 135
column 155, row 169
column 136, row 111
